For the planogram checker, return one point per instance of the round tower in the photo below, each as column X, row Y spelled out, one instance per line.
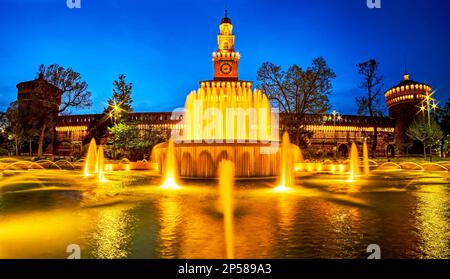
column 404, row 101
column 39, row 92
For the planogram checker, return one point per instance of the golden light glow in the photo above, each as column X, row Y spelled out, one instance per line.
column 170, row 173
column 226, row 184
column 90, row 164
column 227, row 111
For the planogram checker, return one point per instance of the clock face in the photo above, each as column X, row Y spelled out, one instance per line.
column 225, row 68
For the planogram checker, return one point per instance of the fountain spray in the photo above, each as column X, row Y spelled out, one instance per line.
column 226, row 181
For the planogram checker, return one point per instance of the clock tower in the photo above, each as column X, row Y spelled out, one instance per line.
column 225, row 60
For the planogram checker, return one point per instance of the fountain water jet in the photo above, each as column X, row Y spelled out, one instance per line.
column 226, row 177
column 286, row 166
column 354, row 162
column 366, row 159
column 90, row 164
column 100, row 164
column 170, row 172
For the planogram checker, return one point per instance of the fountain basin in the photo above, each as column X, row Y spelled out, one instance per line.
column 202, row 159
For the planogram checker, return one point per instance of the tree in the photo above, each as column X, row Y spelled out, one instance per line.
column 120, row 102
column 14, row 125
column 429, row 135
column 443, row 118
column 297, row 92
column 369, row 104
column 3, row 133
column 74, row 94
column 121, row 135
column 3, row 121
column 98, row 128
column 133, row 143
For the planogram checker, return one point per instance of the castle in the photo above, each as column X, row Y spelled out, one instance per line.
column 331, row 134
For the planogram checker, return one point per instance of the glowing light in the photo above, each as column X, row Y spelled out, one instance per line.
column 170, row 172
column 319, row 167
column 354, row 162
column 366, row 158
column 170, row 183
column 226, row 176
column 90, row 163
column 286, row 162
column 225, row 112
column 100, row 164
column 281, row 188
column 333, row 168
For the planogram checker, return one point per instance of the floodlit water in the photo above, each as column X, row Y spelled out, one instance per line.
column 131, row 216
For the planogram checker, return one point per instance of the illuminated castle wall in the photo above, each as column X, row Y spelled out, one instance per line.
column 327, row 137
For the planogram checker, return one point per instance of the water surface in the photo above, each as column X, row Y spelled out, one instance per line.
column 323, row 216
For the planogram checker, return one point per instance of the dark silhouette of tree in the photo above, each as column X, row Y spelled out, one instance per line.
column 3, row 121
column 15, row 125
column 298, row 91
column 74, row 94
column 98, row 128
column 369, row 104
column 443, row 118
column 74, row 90
column 3, row 132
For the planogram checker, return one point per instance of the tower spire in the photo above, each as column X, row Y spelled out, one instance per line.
column 226, row 60
column 406, row 75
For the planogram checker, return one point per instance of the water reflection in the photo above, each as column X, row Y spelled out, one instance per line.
column 409, row 217
column 112, row 231
column 433, row 221
column 43, row 234
column 170, row 217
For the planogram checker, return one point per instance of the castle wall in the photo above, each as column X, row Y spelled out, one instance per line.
column 328, row 138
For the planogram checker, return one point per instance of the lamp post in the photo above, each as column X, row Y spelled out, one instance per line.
column 335, row 117
column 429, row 104
column 115, row 111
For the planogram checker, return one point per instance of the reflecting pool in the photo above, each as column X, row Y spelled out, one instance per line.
column 407, row 213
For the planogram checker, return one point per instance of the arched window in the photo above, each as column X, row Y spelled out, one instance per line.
column 226, row 45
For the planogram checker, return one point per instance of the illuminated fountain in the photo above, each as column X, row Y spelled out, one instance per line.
column 170, row 173
column 354, row 163
column 226, row 181
column 225, row 120
column 228, row 131
column 366, row 159
column 95, row 161
column 90, row 163
column 100, row 165
column 287, row 164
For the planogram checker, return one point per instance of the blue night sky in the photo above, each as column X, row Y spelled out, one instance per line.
column 164, row 47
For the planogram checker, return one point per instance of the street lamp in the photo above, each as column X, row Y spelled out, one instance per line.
column 115, row 111
column 335, row 117
column 429, row 104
